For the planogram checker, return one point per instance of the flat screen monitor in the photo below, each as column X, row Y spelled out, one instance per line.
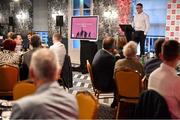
column 84, row 28
column 44, row 36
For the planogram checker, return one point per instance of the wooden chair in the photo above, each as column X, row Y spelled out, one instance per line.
column 129, row 87
column 88, row 105
column 22, row 89
column 9, row 76
column 96, row 91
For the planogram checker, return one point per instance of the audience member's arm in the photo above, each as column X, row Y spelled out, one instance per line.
column 115, row 68
column 141, row 70
column 147, row 24
column 17, row 112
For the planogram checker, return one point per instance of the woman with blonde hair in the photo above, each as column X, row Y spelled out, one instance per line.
column 10, row 35
column 130, row 60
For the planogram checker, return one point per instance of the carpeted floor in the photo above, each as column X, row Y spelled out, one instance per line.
column 82, row 82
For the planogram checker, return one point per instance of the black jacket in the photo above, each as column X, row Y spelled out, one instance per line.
column 66, row 73
column 103, row 69
column 152, row 106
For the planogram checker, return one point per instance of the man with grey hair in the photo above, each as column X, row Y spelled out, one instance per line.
column 130, row 61
column 50, row 101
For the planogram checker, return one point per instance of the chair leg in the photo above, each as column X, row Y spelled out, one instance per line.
column 117, row 111
column 95, row 93
column 98, row 95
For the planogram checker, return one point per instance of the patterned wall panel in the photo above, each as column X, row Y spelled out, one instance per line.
column 173, row 20
column 108, row 24
column 124, row 8
column 57, row 7
column 4, row 15
column 111, row 14
column 23, row 16
column 21, row 9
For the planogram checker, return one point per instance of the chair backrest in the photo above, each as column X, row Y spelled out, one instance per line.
column 89, row 68
column 88, row 105
column 152, row 105
column 128, row 83
column 8, row 77
column 22, row 89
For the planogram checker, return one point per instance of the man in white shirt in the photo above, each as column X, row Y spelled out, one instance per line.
column 141, row 26
column 58, row 48
column 165, row 80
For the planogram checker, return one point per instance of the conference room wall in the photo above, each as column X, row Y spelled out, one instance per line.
column 40, row 15
column 173, row 20
column 58, row 7
column 21, row 25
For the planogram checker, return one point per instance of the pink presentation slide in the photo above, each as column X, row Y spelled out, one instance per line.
column 84, row 27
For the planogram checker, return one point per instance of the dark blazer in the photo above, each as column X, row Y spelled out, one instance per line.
column 152, row 106
column 24, row 68
column 103, row 68
column 151, row 65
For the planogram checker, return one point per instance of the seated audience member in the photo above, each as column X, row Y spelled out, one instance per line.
column 50, row 101
column 103, row 67
column 120, row 43
column 18, row 40
column 8, row 55
column 164, row 79
column 130, row 60
column 26, row 58
column 154, row 63
column 10, row 35
column 58, row 48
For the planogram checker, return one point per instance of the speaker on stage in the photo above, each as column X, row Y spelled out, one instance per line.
column 59, row 21
column 11, row 21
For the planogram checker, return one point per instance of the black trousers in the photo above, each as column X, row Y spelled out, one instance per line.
column 139, row 37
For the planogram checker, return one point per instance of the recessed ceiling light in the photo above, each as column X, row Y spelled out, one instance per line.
column 16, row 0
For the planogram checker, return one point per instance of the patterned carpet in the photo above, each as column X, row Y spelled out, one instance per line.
column 82, row 82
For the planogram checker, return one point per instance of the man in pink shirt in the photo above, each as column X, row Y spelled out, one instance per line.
column 165, row 81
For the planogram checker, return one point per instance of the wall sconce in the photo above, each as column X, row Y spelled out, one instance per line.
column 16, row 0
column 110, row 14
column 22, row 15
column 57, row 13
column 1, row 18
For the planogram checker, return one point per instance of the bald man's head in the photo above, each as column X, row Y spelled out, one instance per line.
column 108, row 43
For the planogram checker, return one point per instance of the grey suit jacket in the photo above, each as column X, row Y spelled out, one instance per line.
column 26, row 58
column 49, row 102
column 24, row 68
